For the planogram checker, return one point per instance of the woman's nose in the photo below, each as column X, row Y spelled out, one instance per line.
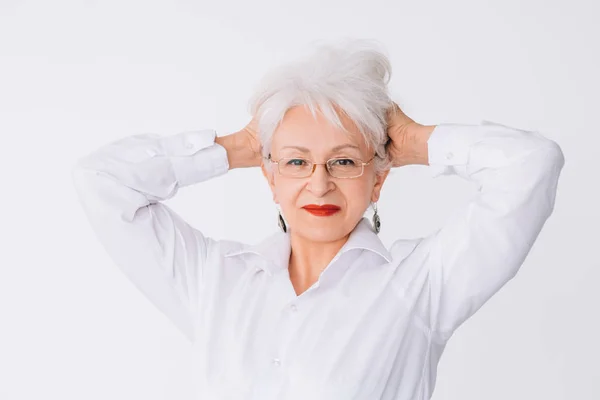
column 320, row 179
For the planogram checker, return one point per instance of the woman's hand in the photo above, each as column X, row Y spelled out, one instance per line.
column 407, row 142
column 243, row 147
column 251, row 137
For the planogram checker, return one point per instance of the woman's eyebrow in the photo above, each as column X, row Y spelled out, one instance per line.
column 333, row 150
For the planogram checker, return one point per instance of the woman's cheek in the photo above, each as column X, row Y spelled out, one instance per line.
column 288, row 192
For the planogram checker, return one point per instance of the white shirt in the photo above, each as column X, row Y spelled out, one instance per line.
column 375, row 324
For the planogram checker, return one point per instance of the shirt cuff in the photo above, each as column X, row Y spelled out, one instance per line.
column 449, row 146
column 195, row 156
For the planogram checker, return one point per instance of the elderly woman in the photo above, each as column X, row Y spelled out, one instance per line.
column 321, row 309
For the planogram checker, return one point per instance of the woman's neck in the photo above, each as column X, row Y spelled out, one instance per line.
column 309, row 258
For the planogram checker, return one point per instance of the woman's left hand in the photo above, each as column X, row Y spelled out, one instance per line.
column 407, row 142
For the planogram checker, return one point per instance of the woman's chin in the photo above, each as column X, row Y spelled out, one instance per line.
column 321, row 229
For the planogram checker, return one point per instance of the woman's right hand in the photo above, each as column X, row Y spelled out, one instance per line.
column 243, row 147
column 252, row 138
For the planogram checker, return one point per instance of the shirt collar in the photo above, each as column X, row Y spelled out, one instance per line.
column 276, row 248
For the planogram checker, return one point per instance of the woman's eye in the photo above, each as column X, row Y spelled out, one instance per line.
column 297, row 162
column 345, row 162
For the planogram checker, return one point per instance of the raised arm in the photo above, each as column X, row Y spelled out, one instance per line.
column 121, row 186
column 483, row 244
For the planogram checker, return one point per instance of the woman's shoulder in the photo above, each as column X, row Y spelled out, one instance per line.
column 272, row 243
column 226, row 247
column 403, row 247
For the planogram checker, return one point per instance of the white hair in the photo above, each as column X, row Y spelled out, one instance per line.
column 352, row 76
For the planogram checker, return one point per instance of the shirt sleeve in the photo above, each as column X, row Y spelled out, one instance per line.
column 121, row 186
column 482, row 245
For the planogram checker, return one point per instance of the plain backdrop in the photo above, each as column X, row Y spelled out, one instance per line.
column 75, row 75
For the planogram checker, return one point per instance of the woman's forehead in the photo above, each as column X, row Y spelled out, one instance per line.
column 301, row 131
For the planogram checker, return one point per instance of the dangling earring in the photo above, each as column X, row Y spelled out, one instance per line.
column 281, row 223
column 376, row 219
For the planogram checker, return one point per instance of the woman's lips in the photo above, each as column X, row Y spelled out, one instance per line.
column 322, row 211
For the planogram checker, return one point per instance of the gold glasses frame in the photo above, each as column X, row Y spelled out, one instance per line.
column 327, row 165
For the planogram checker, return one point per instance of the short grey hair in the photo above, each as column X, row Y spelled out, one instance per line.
column 352, row 75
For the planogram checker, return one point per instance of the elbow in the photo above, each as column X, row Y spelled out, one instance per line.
column 549, row 161
column 546, row 157
column 554, row 158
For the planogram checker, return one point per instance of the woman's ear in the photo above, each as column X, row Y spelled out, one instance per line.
column 269, row 177
column 379, row 179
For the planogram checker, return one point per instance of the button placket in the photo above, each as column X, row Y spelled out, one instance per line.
column 285, row 327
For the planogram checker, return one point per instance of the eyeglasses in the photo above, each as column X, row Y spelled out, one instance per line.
column 342, row 167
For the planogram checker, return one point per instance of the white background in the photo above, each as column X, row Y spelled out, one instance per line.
column 76, row 75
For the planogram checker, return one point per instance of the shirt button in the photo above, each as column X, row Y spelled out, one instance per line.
column 276, row 362
column 293, row 308
column 188, row 145
column 449, row 155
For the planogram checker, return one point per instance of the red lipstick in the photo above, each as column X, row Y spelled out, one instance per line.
column 323, row 210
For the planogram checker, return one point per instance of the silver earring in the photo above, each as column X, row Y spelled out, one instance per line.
column 376, row 219
column 281, row 223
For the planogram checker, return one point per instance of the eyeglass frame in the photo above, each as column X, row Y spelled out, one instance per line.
column 326, row 163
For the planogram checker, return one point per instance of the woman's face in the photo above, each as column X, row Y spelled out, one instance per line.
column 353, row 195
